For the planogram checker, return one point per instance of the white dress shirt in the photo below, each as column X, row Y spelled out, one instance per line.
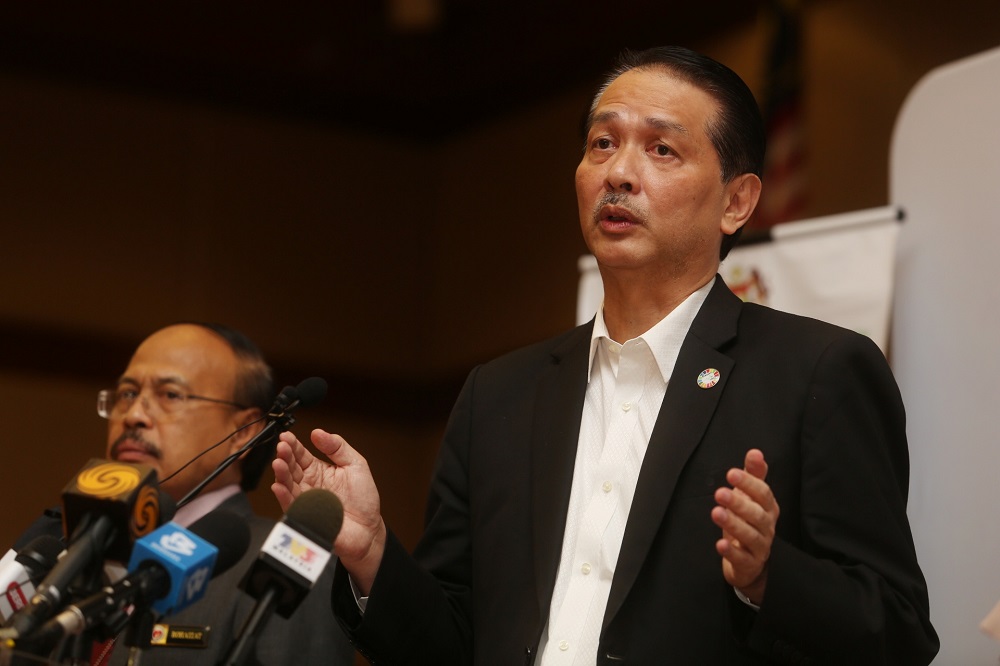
column 626, row 385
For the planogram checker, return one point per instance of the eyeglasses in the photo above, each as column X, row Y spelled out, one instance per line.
column 116, row 402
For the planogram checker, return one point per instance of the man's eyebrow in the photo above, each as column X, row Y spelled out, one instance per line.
column 159, row 381
column 661, row 124
column 650, row 121
column 603, row 117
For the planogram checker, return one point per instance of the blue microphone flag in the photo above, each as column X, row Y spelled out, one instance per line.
column 188, row 559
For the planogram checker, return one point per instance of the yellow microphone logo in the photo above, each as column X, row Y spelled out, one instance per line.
column 108, row 480
column 146, row 512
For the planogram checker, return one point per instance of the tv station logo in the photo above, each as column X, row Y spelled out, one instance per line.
column 296, row 551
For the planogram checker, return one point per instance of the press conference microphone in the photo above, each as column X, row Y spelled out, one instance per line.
column 106, row 506
column 279, row 418
column 21, row 571
column 169, row 571
column 49, row 523
column 308, row 393
column 291, row 560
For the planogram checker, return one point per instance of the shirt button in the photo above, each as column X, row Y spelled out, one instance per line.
column 626, row 406
column 585, row 568
column 563, row 645
column 606, row 486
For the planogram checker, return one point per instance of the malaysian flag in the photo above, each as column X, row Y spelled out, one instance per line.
column 784, row 195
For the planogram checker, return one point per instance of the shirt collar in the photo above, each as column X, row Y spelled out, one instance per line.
column 664, row 339
column 197, row 508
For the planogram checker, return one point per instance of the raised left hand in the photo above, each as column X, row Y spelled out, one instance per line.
column 747, row 514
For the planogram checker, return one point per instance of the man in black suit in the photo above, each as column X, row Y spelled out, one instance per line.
column 687, row 479
column 187, row 388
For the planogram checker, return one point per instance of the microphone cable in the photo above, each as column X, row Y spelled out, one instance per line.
column 309, row 392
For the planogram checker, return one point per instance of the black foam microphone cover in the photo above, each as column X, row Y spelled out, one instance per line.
column 311, row 391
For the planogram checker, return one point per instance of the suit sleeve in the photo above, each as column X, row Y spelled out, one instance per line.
column 844, row 585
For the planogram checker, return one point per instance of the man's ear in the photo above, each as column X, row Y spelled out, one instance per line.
column 742, row 193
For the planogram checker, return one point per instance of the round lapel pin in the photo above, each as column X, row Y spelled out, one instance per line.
column 708, row 378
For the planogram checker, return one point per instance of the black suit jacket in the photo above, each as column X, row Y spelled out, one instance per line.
column 843, row 585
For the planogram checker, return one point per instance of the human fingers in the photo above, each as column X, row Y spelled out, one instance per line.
column 744, row 523
column 286, row 471
column 753, row 487
column 740, row 566
column 335, row 448
column 745, row 553
column 285, row 486
column 743, row 571
column 282, row 494
column 754, row 463
column 295, row 456
column 751, row 499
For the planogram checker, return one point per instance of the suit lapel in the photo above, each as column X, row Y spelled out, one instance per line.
column 684, row 415
column 237, row 503
column 555, row 434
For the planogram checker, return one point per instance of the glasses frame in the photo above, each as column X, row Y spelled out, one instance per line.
column 106, row 409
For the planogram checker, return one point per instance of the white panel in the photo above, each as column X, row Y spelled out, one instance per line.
column 945, row 173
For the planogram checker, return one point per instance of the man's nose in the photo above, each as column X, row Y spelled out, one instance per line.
column 623, row 172
column 137, row 414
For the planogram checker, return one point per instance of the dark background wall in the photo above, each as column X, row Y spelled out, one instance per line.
column 386, row 229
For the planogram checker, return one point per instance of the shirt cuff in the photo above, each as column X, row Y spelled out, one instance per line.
column 739, row 595
column 361, row 601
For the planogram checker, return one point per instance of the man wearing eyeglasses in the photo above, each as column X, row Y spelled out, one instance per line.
column 188, row 388
column 191, row 396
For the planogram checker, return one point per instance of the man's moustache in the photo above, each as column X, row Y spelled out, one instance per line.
column 135, row 439
column 619, row 199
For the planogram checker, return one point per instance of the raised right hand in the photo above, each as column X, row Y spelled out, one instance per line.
column 361, row 541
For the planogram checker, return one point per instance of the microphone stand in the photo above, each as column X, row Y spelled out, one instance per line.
column 280, row 416
column 139, row 634
column 76, row 649
column 241, row 648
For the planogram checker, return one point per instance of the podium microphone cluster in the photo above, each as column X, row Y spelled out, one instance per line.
column 106, row 507
column 168, row 571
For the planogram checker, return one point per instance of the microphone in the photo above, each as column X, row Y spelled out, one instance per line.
column 21, row 571
column 106, row 507
column 49, row 523
column 125, row 494
column 309, row 392
column 291, row 560
column 169, row 571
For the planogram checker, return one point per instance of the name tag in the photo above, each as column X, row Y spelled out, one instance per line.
column 179, row 635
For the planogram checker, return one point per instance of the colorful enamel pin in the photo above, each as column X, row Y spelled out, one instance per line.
column 708, row 378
